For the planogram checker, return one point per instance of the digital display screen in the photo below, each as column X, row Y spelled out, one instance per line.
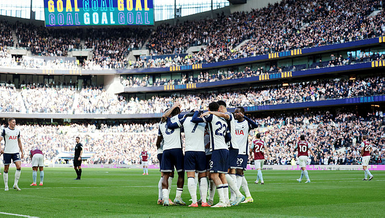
column 67, row 13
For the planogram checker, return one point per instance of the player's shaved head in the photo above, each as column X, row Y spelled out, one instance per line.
column 213, row 106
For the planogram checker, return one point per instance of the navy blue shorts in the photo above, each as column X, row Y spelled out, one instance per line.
column 195, row 161
column 7, row 158
column 208, row 160
column 172, row 158
column 219, row 161
column 160, row 160
column 233, row 154
column 242, row 161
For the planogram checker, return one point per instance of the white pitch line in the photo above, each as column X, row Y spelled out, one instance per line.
column 21, row 215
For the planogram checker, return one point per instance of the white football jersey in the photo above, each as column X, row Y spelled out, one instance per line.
column 194, row 135
column 217, row 129
column 232, row 128
column 242, row 130
column 11, row 144
column 171, row 137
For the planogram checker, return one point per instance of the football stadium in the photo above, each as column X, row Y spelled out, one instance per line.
column 205, row 108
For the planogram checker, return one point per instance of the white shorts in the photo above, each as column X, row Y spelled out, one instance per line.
column 302, row 161
column 38, row 160
column 258, row 164
column 365, row 160
column 145, row 163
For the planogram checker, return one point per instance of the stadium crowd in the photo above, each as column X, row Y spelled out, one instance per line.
column 111, row 46
column 205, row 77
column 99, row 101
column 43, row 41
column 10, row 100
column 283, row 26
column 6, row 39
column 336, row 139
column 48, row 100
column 280, row 27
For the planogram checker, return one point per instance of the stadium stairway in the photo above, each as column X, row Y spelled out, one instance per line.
column 15, row 40
column 241, row 44
column 20, row 98
column 76, row 100
column 374, row 13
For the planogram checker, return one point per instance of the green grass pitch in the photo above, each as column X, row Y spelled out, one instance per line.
column 127, row 193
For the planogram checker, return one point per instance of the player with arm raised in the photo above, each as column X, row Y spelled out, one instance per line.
column 365, row 153
column 195, row 157
column 303, row 149
column 243, row 125
column 258, row 150
column 13, row 151
column 172, row 155
column 220, row 154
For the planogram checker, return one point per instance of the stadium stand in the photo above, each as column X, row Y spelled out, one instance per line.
column 329, row 53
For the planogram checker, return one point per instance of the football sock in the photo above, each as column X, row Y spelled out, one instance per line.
column 239, row 181
column 179, row 192
column 306, row 175
column 80, row 173
column 41, row 176
column 260, row 175
column 234, row 179
column 212, row 190
column 169, row 183
column 5, row 178
column 300, row 178
column 245, row 187
column 203, row 189
column 192, row 188
column 221, row 194
column 232, row 185
column 34, row 176
column 232, row 192
column 160, row 188
column 17, row 176
column 146, row 170
column 77, row 173
column 165, row 195
column 233, row 195
column 368, row 172
column 225, row 189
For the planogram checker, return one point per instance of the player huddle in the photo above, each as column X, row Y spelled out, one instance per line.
column 216, row 147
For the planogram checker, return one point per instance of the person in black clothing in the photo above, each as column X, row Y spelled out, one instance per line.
column 78, row 158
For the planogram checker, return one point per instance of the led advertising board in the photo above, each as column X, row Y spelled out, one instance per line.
column 67, row 13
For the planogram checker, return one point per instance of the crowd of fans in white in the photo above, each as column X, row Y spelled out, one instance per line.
column 99, row 101
column 335, row 139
